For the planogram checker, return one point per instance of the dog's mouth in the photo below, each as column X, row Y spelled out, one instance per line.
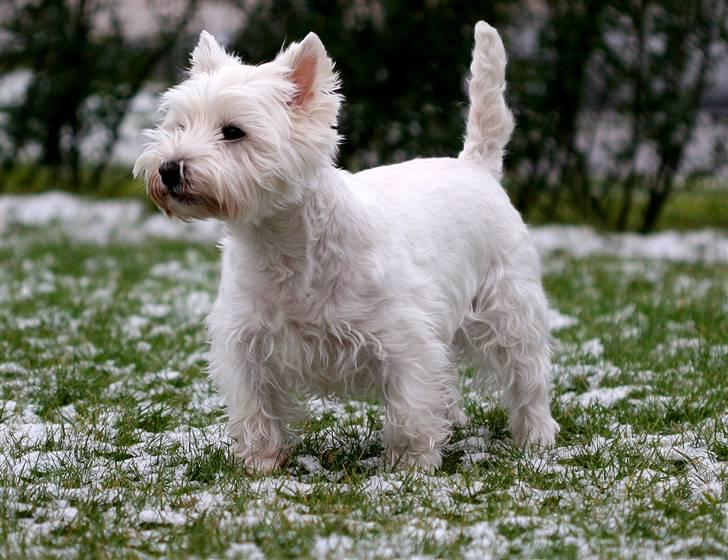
column 183, row 201
column 180, row 195
column 163, row 196
column 160, row 195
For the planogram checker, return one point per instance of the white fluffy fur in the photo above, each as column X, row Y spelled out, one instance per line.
column 378, row 283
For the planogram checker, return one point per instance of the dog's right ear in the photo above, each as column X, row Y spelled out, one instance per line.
column 208, row 56
column 310, row 70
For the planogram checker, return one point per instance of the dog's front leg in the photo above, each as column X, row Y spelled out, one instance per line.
column 256, row 423
column 258, row 409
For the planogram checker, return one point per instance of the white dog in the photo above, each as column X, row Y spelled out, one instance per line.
column 377, row 283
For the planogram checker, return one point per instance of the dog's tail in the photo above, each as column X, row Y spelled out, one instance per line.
column 490, row 122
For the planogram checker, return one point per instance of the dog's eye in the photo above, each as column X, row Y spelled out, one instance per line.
column 232, row 133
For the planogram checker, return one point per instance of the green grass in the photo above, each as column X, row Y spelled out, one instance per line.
column 116, row 181
column 113, row 442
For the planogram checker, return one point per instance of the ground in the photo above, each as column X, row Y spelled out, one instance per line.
column 113, row 443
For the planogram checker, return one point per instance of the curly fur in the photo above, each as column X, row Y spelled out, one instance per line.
column 376, row 283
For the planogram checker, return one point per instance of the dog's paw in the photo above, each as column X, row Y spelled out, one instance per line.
column 263, row 464
column 534, row 430
column 428, row 461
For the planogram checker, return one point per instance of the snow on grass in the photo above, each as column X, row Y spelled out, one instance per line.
column 113, row 441
column 559, row 321
column 605, row 396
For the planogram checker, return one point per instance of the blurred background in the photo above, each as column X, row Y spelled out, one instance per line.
column 621, row 106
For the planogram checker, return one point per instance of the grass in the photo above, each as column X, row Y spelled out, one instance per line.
column 694, row 205
column 113, row 443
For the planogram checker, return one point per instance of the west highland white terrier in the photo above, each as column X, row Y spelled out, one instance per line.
column 377, row 283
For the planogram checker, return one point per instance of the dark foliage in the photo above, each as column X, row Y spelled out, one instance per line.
column 641, row 64
column 403, row 65
column 82, row 79
column 576, row 66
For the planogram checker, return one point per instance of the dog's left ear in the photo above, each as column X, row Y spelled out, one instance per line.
column 311, row 70
column 209, row 56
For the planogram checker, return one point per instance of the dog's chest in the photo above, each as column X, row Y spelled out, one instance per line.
column 320, row 358
column 313, row 317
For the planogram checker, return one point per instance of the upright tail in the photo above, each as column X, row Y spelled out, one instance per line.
column 490, row 122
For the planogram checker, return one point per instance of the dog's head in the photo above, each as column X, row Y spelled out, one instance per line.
column 237, row 141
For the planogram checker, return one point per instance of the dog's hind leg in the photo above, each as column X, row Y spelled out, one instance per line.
column 418, row 399
column 507, row 333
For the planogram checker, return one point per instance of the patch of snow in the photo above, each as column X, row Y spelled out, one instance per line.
column 24, row 323
column 382, row 484
column 246, row 551
column 651, row 401
column 143, row 465
column 559, row 321
column 675, row 346
column 90, row 220
column 339, row 544
column 28, row 434
column 310, row 463
column 695, row 246
column 605, row 397
column 593, row 373
column 12, row 368
column 156, row 310
column 593, row 347
column 69, row 514
column 206, row 501
column 133, row 326
column 162, row 517
column 372, row 462
column 435, row 529
column 68, row 413
column 475, row 447
column 95, row 221
column 483, row 540
column 474, row 457
column 158, row 225
column 620, row 316
column 40, row 461
column 168, row 375
column 7, row 408
column 195, row 305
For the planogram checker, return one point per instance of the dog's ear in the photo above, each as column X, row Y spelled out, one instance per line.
column 311, row 70
column 208, row 55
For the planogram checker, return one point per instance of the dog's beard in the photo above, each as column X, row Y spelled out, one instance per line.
column 187, row 201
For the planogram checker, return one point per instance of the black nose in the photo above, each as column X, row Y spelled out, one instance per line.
column 169, row 171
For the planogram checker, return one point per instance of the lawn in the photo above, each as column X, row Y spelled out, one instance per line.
column 113, row 442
